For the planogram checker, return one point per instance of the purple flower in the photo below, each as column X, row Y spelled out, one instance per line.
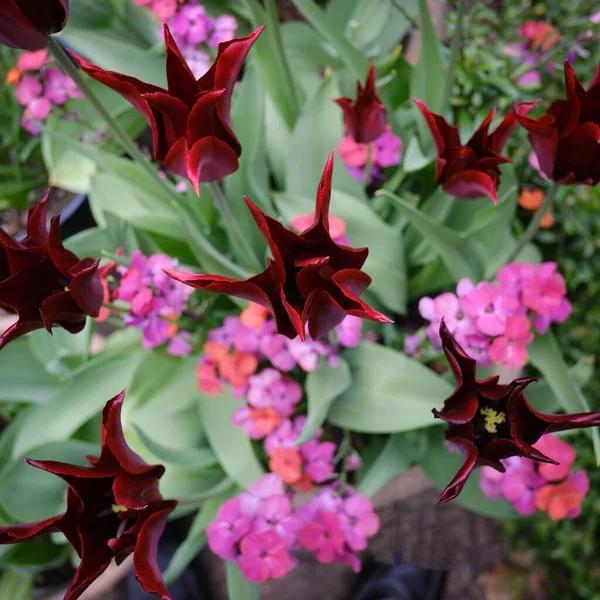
column 318, row 457
column 191, row 25
column 199, row 63
column 411, row 344
column 267, row 486
column 286, row 434
column 28, row 90
column 349, row 332
column 179, row 346
column 272, row 389
column 275, row 514
column 59, row 88
column 224, row 29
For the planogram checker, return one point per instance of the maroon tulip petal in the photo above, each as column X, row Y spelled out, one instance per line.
column 145, row 562
column 296, row 321
column 469, row 453
column 18, row 533
column 18, row 329
column 469, row 185
column 210, row 159
column 181, row 80
column 445, row 136
column 479, row 141
column 66, row 471
column 501, row 134
column 136, row 491
column 170, row 118
column 577, row 154
column 176, row 158
column 36, row 223
column 64, row 260
column 323, row 200
column 350, row 125
column 62, row 309
column 204, row 121
column 322, row 313
column 22, row 25
column 86, row 287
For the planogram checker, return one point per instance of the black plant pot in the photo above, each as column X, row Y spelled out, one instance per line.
column 76, row 217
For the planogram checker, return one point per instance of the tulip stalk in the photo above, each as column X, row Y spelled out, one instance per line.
column 534, row 225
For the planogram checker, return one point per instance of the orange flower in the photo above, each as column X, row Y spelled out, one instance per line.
column 13, row 76
column 531, row 199
column 547, row 220
column 287, row 463
column 173, row 327
column 559, row 499
column 216, row 351
column 304, row 484
column 254, row 316
column 104, row 312
column 266, row 420
column 237, row 367
column 208, row 380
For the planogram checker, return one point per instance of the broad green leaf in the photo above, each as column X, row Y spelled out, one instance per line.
column 545, row 355
column 320, row 20
column 440, row 465
column 238, row 588
column 323, row 386
column 16, row 585
column 390, row 392
column 230, row 443
column 35, row 555
column 77, row 401
column 195, row 539
column 414, row 159
column 24, row 378
column 460, row 256
column 307, row 152
column 22, row 486
column 393, row 459
column 385, row 264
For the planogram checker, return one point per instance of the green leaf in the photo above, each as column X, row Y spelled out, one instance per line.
column 440, row 465
column 229, row 442
column 390, row 392
column 320, row 20
column 414, row 159
column 36, row 555
column 393, row 459
column 195, row 539
column 460, row 256
column 323, row 386
column 77, row 401
column 22, row 486
column 385, row 264
column 545, row 355
column 16, row 585
column 23, row 376
column 238, row 588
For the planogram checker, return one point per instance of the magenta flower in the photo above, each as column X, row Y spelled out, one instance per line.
column 59, row 88
column 29, row 89
column 191, row 25
column 489, row 308
column 349, row 332
column 544, row 295
column 224, row 29
column 318, row 457
column 446, row 306
column 272, row 389
column 264, row 557
column 276, row 514
column 358, row 521
column 560, row 451
column 227, row 529
column 267, row 486
column 510, row 349
column 324, row 537
column 286, row 434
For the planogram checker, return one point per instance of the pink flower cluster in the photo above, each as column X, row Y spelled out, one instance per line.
column 383, row 152
column 163, row 10
column 492, row 321
column 260, row 528
column 40, row 89
column 530, row 486
column 156, row 301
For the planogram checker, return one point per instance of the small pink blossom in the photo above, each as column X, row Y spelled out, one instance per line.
column 489, row 308
column 510, row 349
column 324, row 537
column 224, row 29
column 560, row 451
column 264, row 556
column 349, row 331
column 275, row 514
column 227, row 529
column 28, row 90
column 544, row 295
column 318, row 457
column 595, row 18
column 59, row 88
column 358, row 521
column 272, row 389
column 32, row 61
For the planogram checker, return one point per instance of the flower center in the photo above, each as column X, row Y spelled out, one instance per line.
column 118, row 508
column 492, row 418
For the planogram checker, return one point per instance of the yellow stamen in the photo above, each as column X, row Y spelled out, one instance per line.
column 492, row 419
column 117, row 508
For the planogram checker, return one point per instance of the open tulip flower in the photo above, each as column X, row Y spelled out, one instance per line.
column 114, row 508
column 566, row 139
column 489, row 421
column 470, row 170
column 27, row 24
column 310, row 279
column 190, row 121
column 365, row 118
column 43, row 282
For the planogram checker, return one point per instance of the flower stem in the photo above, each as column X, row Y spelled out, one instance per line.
column 454, row 55
column 534, row 225
column 236, row 235
column 67, row 65
column 368, row 165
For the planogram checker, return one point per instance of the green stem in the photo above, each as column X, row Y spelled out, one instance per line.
column 534, row 225
column 273, row 20
column 67, row 65
column 454, row 55
column 236, row 235
column 368, row 165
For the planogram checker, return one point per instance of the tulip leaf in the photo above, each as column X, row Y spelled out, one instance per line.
column 323, row 386
column 545, row 355
column 196, row 537
column 16, row 585
column 460, row 256
column 238, row 587
column 385, row 264
column 230, row 443
column 22, row 486
column 35, row 555
column 390, row 392
column 440, row 465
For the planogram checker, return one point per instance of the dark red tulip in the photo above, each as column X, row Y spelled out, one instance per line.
column 310, row 278
column 44, row 283
column 489, row 421
column 27, row 24
column 365, row 118
column 114, row 508
column 566, row 139
column 190, row 121
column 471, row 170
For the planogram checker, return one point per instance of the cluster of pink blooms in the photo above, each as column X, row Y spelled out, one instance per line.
column 260, row 528
column 385, row 151
column 194, row 30
column 39, row 88
column 156, row 301
column 530, row 486
column 492, row 321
